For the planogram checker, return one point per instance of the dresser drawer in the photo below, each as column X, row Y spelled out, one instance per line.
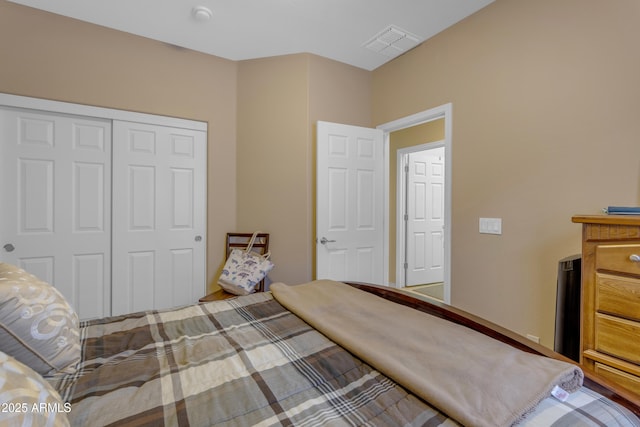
column 618, row 258
column 618, row 295
column 626, row 380
column 617, row 337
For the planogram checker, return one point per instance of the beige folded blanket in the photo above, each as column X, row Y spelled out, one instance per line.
column 474, row 379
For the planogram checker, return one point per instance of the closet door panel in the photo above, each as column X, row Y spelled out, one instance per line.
column 182, row 262
column 56, row 176
column 93, row 293
column 141, row 192
column 89, row 197
column 159, row 185
column 35, row 196
column 182, row 199
column 141, row 268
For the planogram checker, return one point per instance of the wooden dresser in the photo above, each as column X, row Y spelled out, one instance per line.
column 610, row 342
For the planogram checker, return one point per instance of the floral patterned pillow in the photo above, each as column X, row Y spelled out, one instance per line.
column 27, row 399
column 37, row 325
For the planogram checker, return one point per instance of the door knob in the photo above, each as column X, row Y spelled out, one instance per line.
column 198, row 238
column 9, row 247
column 324, row 241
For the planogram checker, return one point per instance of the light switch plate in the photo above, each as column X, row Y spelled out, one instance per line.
column 491, row 225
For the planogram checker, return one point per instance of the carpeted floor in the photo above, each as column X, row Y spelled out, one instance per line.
column 434, row 290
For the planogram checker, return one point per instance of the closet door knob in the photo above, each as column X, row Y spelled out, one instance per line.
column 198, row 238
column 9, row 247
column 634, row 258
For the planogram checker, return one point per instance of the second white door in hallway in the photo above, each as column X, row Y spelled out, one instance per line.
column 425, row 217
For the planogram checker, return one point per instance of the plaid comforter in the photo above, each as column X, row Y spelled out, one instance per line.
column 247, row 362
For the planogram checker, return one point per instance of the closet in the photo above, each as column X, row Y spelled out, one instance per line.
column 107, row 205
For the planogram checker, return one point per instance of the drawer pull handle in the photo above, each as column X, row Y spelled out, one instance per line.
column 634, row 258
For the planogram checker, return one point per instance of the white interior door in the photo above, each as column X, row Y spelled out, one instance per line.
column 159, row 179
column 55, row 219
column 425, row 217
column 350, row 192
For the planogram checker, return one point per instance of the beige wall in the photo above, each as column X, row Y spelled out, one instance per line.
column 273, row 144
column 279, row 101
column 546, row 103
column 48, row 56
column 410, row 137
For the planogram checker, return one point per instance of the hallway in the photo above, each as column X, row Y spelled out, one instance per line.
column 432, row 290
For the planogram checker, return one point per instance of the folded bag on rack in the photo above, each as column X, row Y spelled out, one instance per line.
column 244, row 269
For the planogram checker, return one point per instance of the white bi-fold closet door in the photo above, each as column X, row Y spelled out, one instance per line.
column 112, row 212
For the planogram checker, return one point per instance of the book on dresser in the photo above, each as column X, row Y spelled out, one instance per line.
column 623, row 210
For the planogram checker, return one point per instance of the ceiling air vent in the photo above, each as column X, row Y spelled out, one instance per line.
column 392, row 41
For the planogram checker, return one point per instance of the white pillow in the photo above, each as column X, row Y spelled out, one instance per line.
column 27, row 399
column 37, row 325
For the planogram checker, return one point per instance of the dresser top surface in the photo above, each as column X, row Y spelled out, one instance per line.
column 607, row 219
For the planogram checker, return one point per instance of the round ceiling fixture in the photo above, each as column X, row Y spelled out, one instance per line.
column 201, row 13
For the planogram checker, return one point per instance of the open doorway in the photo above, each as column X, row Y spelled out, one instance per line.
column 396, row 199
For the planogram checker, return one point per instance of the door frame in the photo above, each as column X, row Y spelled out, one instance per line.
column 402, row 199
column 20, row 101
column 441, row 112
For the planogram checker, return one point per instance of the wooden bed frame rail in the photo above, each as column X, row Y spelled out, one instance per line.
column 592, row 381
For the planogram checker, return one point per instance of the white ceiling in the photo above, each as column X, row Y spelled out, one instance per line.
column 248, row 29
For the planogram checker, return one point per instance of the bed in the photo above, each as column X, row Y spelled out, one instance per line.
column 322, row 353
